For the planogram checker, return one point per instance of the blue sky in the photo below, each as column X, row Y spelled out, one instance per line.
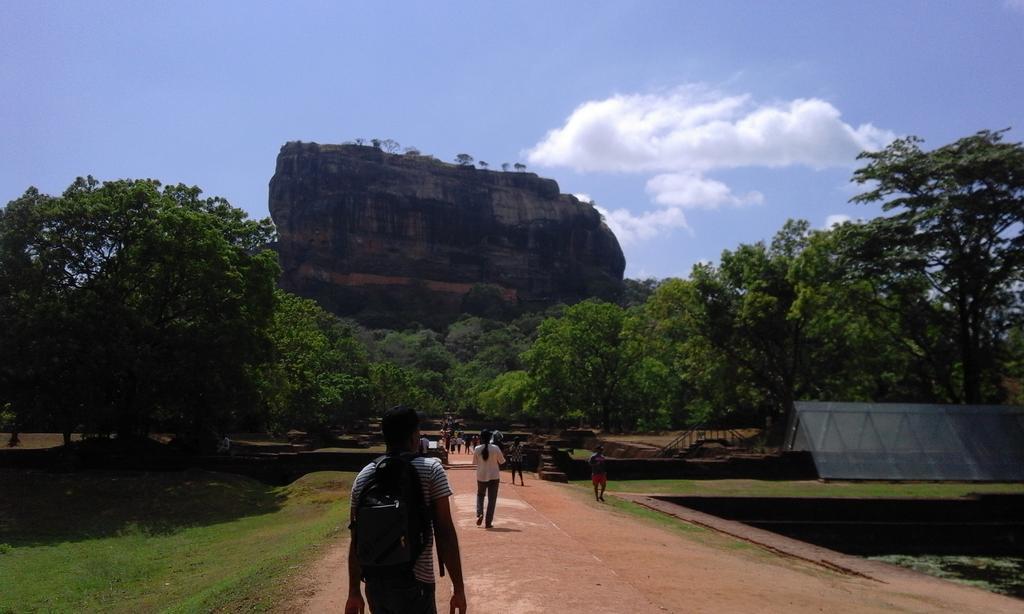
column 694, row 125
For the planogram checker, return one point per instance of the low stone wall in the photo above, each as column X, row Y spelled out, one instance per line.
column 285, row 468
column 786, row 466
column 628, row 450
column 273, row 468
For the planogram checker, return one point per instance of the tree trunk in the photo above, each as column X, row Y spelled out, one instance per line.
column 968, row 354
column 776, row 434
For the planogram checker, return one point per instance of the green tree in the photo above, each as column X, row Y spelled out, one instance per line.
column 487, row 300
column 485, row 350
column 419, row 350
column 319, row 375
column 582, row 362
column 464, row 159
column 1014, row 366
column 127, row 304
column 854, row 345
column 395, row 385
column 637, row 291
column 956, row 214
column 737, row 331
column 509, row 396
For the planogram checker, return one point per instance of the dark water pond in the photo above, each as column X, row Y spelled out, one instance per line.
column 974, row 540
column 1004, row 574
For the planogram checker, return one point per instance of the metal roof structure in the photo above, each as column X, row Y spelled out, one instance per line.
column 907, row 441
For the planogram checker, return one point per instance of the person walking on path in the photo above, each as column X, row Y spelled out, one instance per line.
column 487, row 457
column 515, row 460
column 598, row 474
column 410, row 591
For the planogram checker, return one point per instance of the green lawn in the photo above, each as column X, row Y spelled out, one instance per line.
column 177, row 542
column 693, row 532
column 768, row 488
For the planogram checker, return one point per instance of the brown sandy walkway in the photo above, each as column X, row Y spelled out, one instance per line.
column 553, row 549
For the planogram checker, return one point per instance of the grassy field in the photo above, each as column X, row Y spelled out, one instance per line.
column 175, row 542
column 690, row 531
column 767, row 488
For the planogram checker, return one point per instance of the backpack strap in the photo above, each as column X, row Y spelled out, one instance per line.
column 362, row 493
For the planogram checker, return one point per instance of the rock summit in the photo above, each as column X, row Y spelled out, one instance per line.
column 394, row 240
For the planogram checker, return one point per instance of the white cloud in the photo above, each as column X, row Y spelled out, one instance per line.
column 836, row 219
column 693, row 190
column 630, row 228
column 694, row 128
column 682, row 135
column 1014, row 5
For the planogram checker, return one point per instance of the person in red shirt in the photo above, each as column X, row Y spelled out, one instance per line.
column 598, row 474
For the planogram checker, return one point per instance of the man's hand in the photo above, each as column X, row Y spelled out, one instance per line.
column 355, row 605
column 458, row 603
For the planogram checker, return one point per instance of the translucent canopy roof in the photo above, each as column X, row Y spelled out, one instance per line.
column 905, row 441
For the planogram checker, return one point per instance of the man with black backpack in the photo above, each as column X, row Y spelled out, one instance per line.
column 399, row 503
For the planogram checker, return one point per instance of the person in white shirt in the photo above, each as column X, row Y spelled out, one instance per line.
column 487, row 457
column 424, row 445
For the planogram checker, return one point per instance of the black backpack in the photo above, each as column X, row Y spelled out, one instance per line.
column 392, row 522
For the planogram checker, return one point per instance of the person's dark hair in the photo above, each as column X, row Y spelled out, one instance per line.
column 485, row 440
column 398, row 424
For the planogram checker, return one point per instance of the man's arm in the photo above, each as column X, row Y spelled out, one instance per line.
column 354, row 604
column 448, row 551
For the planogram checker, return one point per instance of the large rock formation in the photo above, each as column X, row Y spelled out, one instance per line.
column 395, row 239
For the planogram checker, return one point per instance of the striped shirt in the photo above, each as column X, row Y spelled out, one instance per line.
column 434, row 482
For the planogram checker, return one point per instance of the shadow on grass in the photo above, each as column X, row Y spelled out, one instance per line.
column 39, row 508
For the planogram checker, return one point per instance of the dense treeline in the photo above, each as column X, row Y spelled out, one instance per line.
column 130, row 307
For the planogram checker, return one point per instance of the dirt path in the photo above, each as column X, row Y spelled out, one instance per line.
column 554, row 549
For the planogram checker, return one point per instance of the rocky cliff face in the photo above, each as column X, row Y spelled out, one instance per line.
column 393, row 239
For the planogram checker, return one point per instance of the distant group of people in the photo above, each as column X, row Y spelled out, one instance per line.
column 457, row 441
